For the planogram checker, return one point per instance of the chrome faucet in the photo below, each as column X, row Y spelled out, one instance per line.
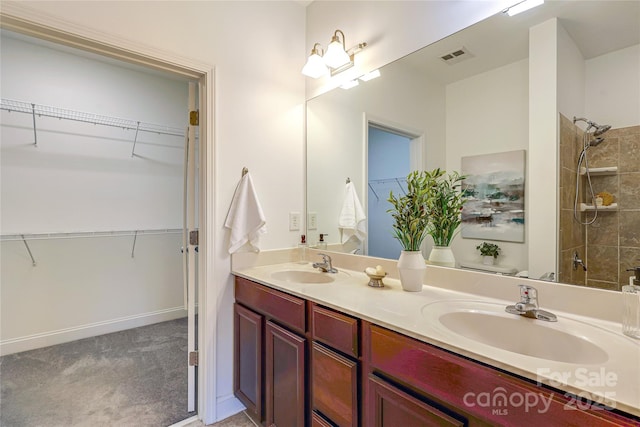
column 325, row 265
column 528, row 305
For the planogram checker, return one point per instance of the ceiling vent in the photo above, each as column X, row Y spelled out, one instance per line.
column 456, row 56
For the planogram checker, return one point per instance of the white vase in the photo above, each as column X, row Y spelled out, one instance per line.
column 488, row 260
column 442, row 255
column 411, row 268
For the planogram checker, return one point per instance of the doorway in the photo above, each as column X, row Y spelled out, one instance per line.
column 391, row 155
column 93, row 211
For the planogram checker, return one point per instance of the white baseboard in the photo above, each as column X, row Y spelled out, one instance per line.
column 189, row 422
column 227, row 406
column 45, row 339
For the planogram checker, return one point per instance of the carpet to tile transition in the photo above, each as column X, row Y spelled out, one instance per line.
column 136, row 377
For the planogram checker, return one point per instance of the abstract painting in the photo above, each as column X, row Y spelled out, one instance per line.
column 494, row 189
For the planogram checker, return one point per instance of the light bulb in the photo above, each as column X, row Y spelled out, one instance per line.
column 336, row 56
column 315, row 66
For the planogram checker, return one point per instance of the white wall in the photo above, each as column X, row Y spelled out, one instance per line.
column 82, row 178
column 84, row 287
column 612, row 88
column 543, row 147
column 488, row 113
column 571, row 76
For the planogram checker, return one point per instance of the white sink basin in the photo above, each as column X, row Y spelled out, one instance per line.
column 568, row 341
column 304, row 276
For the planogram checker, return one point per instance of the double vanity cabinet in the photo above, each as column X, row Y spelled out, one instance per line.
column 299, row 363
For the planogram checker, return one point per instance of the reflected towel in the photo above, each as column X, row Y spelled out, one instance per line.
column 352, row 217
column 245, row 218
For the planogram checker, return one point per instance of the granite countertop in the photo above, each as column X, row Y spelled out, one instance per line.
column 614, row 381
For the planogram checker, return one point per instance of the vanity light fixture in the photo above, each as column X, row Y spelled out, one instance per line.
column 350, row 84
column 365, row 78
column 522, row 6
column 370, row 75
column 315, row 66
column 336, row 55
column 336, row 59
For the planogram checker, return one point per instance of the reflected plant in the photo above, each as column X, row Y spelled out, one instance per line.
column 431, row 206
column 409, row 211
column 444, row 206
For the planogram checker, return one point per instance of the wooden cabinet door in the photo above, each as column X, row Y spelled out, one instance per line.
column 284, row 380
column 391, row 407
column 334, row 382
column 247, row 376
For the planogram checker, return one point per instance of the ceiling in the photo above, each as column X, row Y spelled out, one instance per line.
column 597, row 27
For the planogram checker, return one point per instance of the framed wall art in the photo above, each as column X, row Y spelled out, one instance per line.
column 494, row 189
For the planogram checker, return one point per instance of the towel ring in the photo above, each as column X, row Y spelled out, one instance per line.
column 245, row 171
column 348, row 180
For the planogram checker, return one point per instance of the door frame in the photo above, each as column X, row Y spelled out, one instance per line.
column 417, row 152
column 21, row 19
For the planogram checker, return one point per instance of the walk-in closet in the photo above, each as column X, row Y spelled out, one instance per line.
column 93, row 289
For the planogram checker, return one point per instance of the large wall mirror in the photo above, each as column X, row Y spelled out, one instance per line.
column 424, row 112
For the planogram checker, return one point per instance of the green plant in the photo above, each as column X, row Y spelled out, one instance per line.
column 409, row 211
column 431, row 206
column 444, row 203
column 489, row 249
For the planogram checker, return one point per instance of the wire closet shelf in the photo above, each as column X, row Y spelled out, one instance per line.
column 84, row 234
column 39, row 110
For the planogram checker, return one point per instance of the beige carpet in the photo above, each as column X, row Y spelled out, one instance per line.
column 136, row 377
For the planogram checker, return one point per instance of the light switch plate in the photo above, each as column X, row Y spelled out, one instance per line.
column 294, row 221
column 312, row 221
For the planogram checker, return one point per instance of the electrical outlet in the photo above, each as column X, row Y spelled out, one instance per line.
column 294, row 221
column 312, row 221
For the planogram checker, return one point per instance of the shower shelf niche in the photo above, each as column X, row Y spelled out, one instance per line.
column 608, row 170
column 612, row 207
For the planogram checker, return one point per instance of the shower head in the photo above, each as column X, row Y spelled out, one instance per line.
column 600, row 129
column 595, row 142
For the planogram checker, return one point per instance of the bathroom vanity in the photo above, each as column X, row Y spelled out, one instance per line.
column 342, row 353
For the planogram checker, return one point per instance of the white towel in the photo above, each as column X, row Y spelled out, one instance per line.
column 352, row 217
column 245, row 218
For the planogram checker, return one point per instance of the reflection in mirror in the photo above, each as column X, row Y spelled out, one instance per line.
column 486, row 102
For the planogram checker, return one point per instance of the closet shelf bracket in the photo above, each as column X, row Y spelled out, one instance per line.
column 26, row 245
column 133, row 249
column 135, row 139
column 400, row 185
column 374, row 192
column 35, row 132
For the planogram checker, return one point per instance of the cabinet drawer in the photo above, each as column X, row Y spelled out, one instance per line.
column 456, row 382
column 335, row 329
column 335, row 386
column 272, row 303
column 390, row 406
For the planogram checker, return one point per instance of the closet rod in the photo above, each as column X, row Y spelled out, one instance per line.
column 85, row 234
column 79, row 116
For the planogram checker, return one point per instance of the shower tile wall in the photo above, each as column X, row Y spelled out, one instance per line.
column 611, row 244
